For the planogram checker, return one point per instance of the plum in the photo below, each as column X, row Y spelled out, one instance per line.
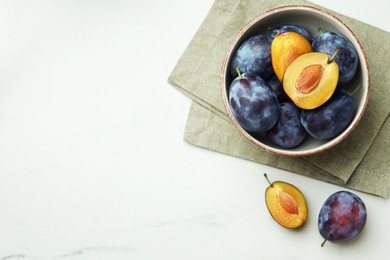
column 347, row 58
column 285, row 48
column 288, row 131
column 310, row 80
column 342, row 217
column 292, row 28
column 253, row 103
column 286, row 204
column 277, row 87
column 253, row 55
column 330, row 119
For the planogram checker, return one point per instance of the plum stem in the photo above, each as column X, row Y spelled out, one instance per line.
column 320, row 30
column 331, row 59
column 266, row 177
column 238, row 72
column 356, row 90
column 323, row 243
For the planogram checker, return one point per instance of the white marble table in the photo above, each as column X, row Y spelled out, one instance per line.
column 93, row 162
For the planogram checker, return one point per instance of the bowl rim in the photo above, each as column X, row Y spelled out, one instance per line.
column 327, row 145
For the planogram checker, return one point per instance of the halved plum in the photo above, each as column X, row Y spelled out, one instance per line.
column 286, row 204
column 311, row 79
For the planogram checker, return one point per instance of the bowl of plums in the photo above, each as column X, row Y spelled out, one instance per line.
column 295, row 80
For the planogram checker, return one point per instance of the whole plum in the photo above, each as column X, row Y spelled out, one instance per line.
column 292, row 28
column 347, row 58
column 277, row 87
column 330, row 119
column 253, row 103
column 288, row 131
column 342, row 217
column 253, row 55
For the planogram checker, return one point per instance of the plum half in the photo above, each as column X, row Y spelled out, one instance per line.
column 285, row 48
column 311, row 79
column 286, row 204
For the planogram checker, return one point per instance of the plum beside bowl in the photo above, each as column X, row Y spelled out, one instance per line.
column 311, row 18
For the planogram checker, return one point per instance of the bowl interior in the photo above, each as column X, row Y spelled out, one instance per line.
column 311, row 18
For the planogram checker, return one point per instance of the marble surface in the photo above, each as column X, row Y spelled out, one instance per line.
column 93, row 162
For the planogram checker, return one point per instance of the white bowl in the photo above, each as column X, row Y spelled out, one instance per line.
column 311, row 18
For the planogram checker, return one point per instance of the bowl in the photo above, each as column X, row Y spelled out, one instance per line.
column 311, row 18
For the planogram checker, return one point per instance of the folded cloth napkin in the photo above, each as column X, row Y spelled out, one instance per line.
column 360, row 162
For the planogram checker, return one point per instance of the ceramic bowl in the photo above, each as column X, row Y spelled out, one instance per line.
column 311, row 18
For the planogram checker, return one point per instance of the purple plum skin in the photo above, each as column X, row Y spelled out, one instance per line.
column 330, row 119
column 277, row 87
column 292, row 28
column 253, row 103
column 342, row 217
column 288, row 131
column 347, row 58
column 253, row 55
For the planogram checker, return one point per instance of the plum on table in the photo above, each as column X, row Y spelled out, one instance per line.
column 286, row 204
column 342, row 217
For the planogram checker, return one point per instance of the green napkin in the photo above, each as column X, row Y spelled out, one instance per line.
column 360, row 162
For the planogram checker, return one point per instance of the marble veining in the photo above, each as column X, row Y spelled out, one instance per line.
column 83, row 252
